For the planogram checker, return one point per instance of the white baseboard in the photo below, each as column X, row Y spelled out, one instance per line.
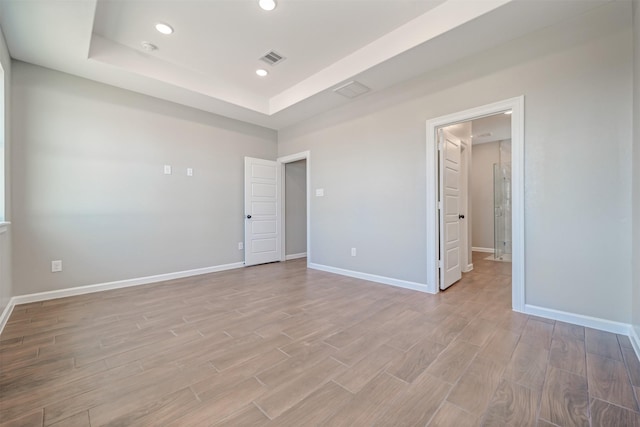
column 468, row 269
column 372, row 277
column 635, row 340
column 88, row 289
column 6, row 313
column 579, row 319
column 295, row 256
column 478, row 249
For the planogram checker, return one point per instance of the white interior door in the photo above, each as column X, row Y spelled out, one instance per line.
column 262, row 211
column 450, row 180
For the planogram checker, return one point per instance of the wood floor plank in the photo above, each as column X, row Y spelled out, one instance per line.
column 528, row 366
column 276, row 401
column 80, row 419
column 291, row 367
column 453, row 361
column 221, row 404
column 315, row 408
column 131, row 412
column 567, row 330
column 370, row 403
column 306, row 347
column 419, row 403
column 568, row 354
column 500, row 345
column 477, row 332
column 565, row 398
column 451, row 415
column 606, row 414
column 478, row 384
column 55, row 391
column 512, row 404
column 624, row 341
column 249, row 416
column 33, row 419
column 602, row 343
column 609, row 381
column 633, row 365
column 366, row 369
column 413, row 363
column 537, row 333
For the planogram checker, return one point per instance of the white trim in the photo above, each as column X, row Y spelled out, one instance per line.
column 295, row 256
column 4, row 226
column 6, row 313
column 88, row 289
column 579, row 319
column 635, row 340
column 468, row 269
column 304, row 155
column 516, row 105
column 372, row 277
column 478, row 249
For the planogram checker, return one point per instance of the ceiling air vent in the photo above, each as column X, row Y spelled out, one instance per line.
column 351, row 89
column 272, row 58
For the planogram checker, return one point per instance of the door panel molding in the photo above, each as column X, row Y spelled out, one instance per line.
column 262, row 196
column 516, row 105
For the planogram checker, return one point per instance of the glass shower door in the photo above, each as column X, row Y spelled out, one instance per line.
column 502, row 210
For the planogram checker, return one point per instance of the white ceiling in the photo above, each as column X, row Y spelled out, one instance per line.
column 491, row 128
column 209, row 62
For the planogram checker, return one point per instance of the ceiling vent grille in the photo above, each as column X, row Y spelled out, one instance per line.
column 351, row 89
column 273, row 58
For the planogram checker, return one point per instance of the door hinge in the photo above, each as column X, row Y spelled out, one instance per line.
column 440, row 205
column 440, row 264
column 440, row 145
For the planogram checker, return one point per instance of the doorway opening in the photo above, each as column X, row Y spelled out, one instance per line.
column 295, row 206
column 450, row 216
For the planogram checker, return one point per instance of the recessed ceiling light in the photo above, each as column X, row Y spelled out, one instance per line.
column 164, row 28
column 508, row 112
column 149, row 47
column 261, row 72
column 267, row 4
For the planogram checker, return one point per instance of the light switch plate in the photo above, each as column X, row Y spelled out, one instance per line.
column 319, row 192
column 189, row 171
column 167, row 169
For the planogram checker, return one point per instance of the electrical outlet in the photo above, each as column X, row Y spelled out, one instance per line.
column 319, row 192
column 240, row 246
column 167, row 169
column 353, row 251
column 189, row 171
column 56, row 266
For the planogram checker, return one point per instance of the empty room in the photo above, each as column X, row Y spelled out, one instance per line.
column 319, row 213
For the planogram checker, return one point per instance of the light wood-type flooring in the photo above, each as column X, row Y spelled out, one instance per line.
column 280, row 345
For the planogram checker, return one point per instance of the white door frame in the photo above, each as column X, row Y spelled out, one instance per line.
column 516, row 105
column 305, row 155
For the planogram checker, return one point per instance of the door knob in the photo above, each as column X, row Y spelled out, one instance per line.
column 248, row 216
column 460, row 216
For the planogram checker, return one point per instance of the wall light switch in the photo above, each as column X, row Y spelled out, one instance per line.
column 56, row 266
column 319, row 192
column 189, row 171
column 353, row 251
column 167, row 169
column 240, row 246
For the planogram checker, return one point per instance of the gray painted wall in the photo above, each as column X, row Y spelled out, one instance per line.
column 636, row 168
column 369, row 156
column 89, row 187
column 6, row 291
column 296, row 207
column 484, row 156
